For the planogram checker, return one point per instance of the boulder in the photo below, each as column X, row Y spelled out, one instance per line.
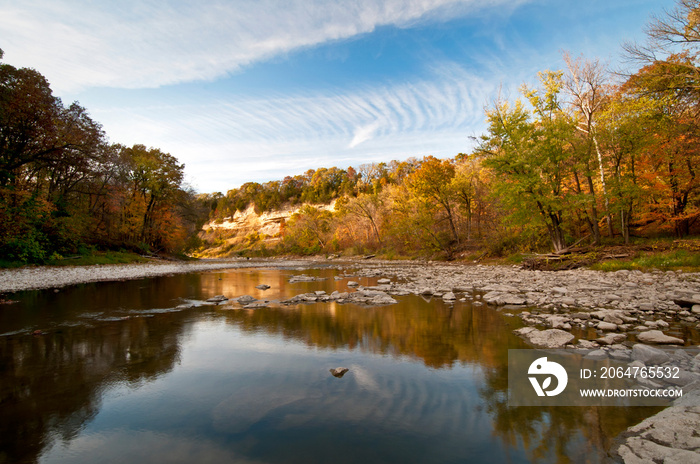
column 352, row 283
column 449, row 296
column 657, row 336
column 262, row 287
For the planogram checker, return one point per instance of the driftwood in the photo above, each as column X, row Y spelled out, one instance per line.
column 571, row 260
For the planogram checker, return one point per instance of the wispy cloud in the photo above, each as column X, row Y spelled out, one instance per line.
column 148, row 43
column 229, row 142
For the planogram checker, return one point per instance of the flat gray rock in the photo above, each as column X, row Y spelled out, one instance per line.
column 550, row 338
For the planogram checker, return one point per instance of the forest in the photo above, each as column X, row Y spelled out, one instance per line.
column 66, row 191
column 588, row 155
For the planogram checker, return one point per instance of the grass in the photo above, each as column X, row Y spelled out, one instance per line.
column 663, row 260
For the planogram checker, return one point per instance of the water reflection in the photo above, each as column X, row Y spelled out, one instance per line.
column 112, row 380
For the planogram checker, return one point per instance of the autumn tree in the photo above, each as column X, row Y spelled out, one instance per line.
column 308, row 230
column 529, row 153
column 432, row 183
column 365, row 207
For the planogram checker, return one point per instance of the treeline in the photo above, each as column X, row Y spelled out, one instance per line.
column 585, row 155
column 64, row 189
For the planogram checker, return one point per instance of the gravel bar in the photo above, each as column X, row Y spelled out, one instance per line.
column 41, row 277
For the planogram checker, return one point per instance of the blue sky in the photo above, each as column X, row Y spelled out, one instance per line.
column 243, row 90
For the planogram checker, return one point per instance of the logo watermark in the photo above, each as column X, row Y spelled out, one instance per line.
column 572, row 378
column 550, row 370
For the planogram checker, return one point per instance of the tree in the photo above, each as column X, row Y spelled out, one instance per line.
column 366, row 206
column 432, row 182
column 673, row 154
column 674, row 34
column 470, row 190
column 155, row 180
column 308, row 230
column 585, row 83
column 530, row 156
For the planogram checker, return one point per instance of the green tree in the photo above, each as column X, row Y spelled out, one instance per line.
column 530, row 157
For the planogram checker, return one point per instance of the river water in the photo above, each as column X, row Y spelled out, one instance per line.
column 119, row 375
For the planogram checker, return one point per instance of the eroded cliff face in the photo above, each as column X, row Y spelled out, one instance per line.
column 246, row 227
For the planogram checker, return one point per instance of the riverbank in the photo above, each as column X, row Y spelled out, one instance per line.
column 44, row 277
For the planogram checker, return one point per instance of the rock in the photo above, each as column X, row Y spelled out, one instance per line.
column 384, row 281
column 686, row 302
column 586, row 344
column 611, row 339
column 382, row 300
column 670, row 436
column 339, row 371
column 657, row 336
column 597, row 354
column 262, row 287
column 246, row 299
column 696, row 309
column 500, row 299
column 648, row 354
column 620, row 355
column 217, row 299
column 449, row 296
column 550, row 338
column 646, row 306
column 304, row 278
column 612, row 318
column 607, row 326
column 352, row 283
column 500, row 288
column 684, row 378
column 256, row 305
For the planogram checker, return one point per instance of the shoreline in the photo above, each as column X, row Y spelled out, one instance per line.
column 48, row 277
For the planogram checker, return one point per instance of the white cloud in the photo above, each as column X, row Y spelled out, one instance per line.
column 364, row 133
column 79, row 44
column 227, row 142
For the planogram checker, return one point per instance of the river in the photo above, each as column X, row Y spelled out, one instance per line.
column 114, row 372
